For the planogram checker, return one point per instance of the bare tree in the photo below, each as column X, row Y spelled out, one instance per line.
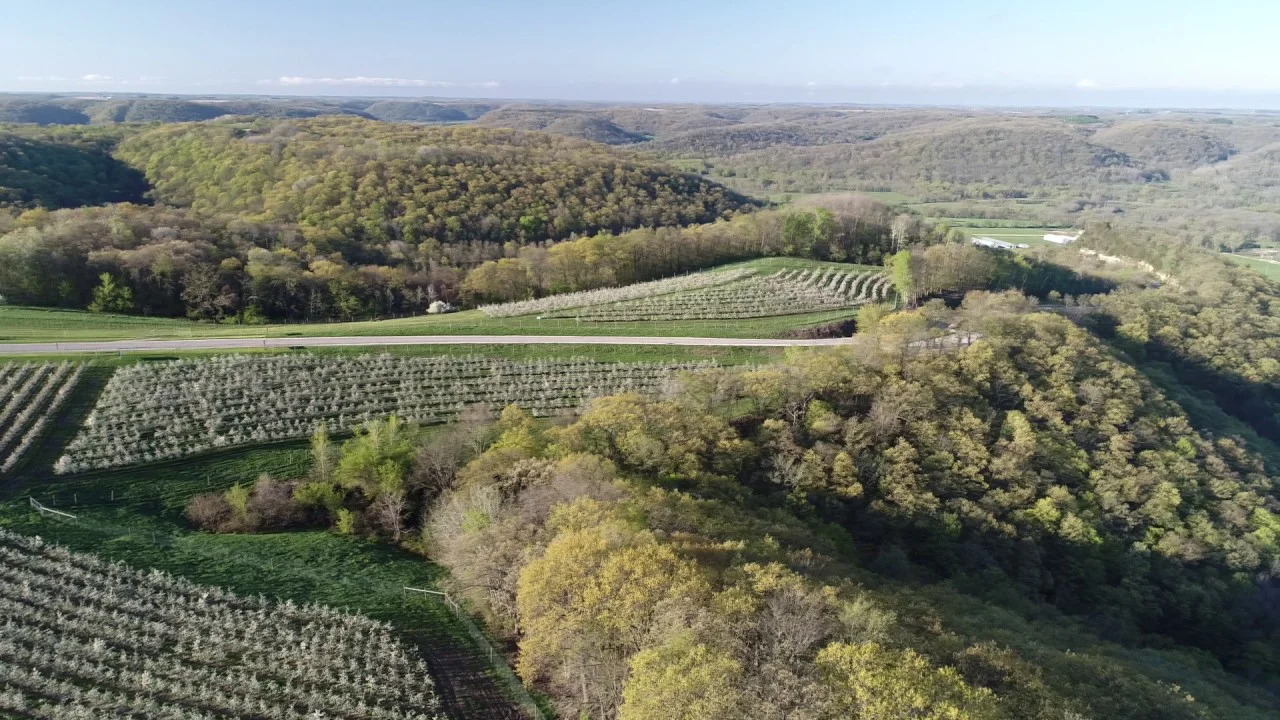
column 388, row 513
column 903, row 229
column 437, row 462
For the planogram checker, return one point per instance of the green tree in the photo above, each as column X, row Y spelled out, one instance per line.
column 871, row 682
column 798, row 234
column 681, row 680
column 110, row 296
column 903, row 276
column 377, row 458
column 321, row 454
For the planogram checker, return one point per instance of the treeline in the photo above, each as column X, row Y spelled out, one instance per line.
column 846, row 229
column 767, row 542
column 173, row 262
column 371, row 183
column 952, row 269
column 176, row 262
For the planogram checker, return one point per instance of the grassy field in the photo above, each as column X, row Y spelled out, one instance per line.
column 21, row 324
column 136, row 516
column 1033, row 236
column 1267, row 269
column 24, row 325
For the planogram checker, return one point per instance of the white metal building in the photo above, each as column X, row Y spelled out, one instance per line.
column 992, row 243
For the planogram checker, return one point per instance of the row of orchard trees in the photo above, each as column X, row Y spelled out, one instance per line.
column 84, row 637
column 782, row 293
column 161, row 411
column 30, row 396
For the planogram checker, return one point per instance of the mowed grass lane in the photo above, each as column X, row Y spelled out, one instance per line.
column 28, row 325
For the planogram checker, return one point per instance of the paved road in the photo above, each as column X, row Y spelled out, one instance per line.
column 389, row 340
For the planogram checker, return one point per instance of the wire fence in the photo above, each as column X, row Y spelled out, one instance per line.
column 47, row 511
column 515, row 688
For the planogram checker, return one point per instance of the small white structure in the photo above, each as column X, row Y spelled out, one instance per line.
column 992, row 243
column 1059, row 238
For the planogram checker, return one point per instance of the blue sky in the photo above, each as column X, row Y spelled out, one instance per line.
column 1089, row 52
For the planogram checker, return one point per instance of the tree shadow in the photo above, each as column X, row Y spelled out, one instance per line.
column 1134, row 598
column 1217, row 403
column 55, row 175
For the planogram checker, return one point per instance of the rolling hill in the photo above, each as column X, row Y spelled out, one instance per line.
column 1012, row 153
column 362, row 179
column 580, row 124
column 415, row 111
column 1166, row 145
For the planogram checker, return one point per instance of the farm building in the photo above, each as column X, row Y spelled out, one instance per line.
column 992, row 243
column 1059, row 238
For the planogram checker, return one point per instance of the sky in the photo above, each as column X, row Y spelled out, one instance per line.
column 1134, row 53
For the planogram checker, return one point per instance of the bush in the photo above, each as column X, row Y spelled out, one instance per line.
column 209, row 512
column 268, row 505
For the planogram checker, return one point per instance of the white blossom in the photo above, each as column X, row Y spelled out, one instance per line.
column 150, row 412
column 81, row 637
column 34, row 394
column 555, row 303
column 787, row 292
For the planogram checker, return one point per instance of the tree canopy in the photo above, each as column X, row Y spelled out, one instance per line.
column 378, row 183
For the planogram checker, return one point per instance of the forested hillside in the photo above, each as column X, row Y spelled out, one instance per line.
column 1024, row 528
column 1032, row 484
column 1018, row 154
column 366, row 181
column 1167, row 145
column 418, row 112
column 68, row 169
column 1073, row 167
column 53, row 110
column 581, row 124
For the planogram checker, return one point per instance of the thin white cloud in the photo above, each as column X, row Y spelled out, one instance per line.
column 41, row 78
column 1086, row 83
column 675, row 81
column 95, row 77
column 372, row 82
column 362, row 81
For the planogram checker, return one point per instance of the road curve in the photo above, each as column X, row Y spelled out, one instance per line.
column 110, row 346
